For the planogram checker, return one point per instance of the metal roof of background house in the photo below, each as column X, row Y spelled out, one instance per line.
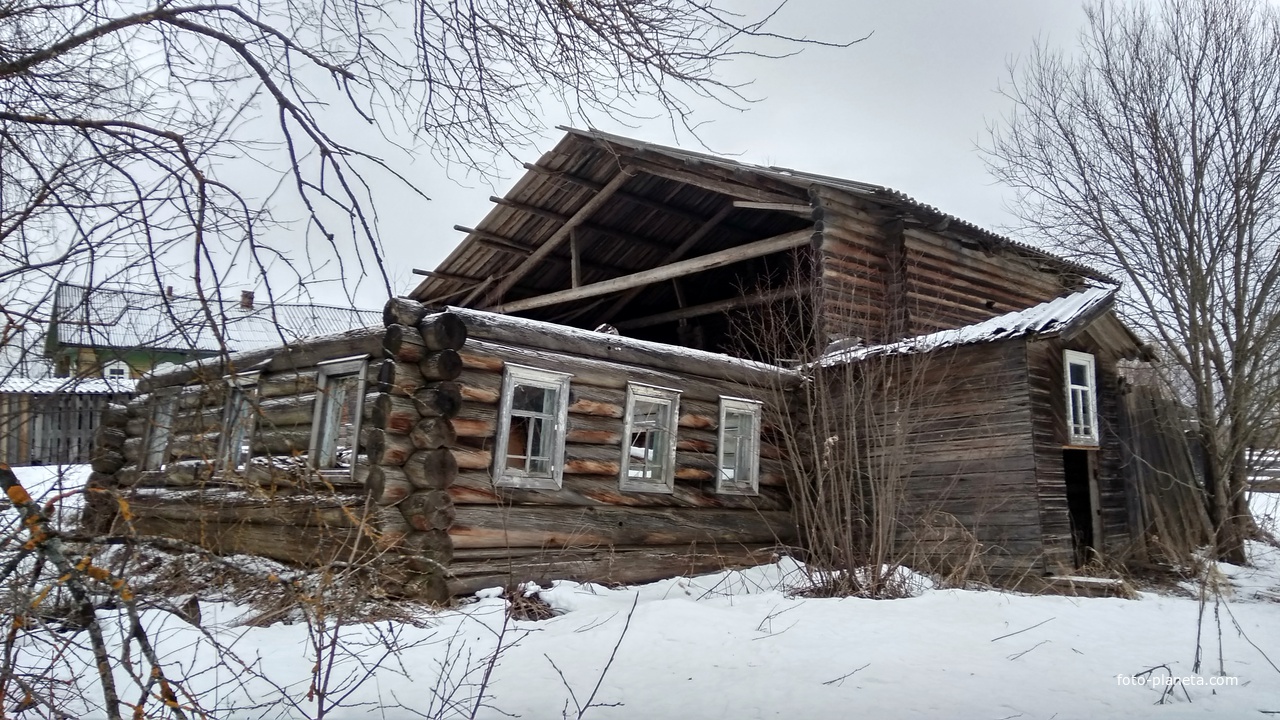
column 128, row 319
column 72, row 386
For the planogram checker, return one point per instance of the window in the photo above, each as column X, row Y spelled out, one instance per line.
column 159, row 430
column 649, row 449
column 529, row 451
column 1082, row 398
column 339, row 401
column 116, row 370
column 738, row 457
column 237, row 422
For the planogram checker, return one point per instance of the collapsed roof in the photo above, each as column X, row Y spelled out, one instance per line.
column 591, row 233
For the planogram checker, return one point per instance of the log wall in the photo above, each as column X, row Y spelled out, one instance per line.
column 589, row 529
column 422, row 502
column 883, row 277
column 391, row 509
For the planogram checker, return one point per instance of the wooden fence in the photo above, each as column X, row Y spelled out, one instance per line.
column 49, row 428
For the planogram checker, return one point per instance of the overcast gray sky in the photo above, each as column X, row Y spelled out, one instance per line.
column 903, row 108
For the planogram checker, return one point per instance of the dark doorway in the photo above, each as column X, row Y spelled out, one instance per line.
column 1081, row 503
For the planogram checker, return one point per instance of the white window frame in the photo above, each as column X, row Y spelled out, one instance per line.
column 513, row 376
column 327, row 371
column 110, row 365
column 750, row 446
column 245, row 388
column 1085, row 432
column 164, row 406
column 670, row 399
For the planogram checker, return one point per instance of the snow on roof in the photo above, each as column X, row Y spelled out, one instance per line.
column 118, row 318
column 1046, row 318
column 75, row 386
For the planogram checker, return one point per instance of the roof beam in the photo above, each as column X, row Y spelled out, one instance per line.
column 723, row 187
column 732, row 303
column 677, row 253
column 589, row 227
column 493, row 241
column 803, row 209
column 629, row 197
column 760, row 248
column 559, row 236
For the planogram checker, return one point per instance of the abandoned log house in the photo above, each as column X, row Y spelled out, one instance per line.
column 598, row 384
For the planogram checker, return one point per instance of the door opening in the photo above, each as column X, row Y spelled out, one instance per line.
column 1082, row 504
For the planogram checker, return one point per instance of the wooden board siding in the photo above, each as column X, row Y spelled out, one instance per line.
column 981, row 472
column 1046, row 377
column 970, row 468
column 881, row 278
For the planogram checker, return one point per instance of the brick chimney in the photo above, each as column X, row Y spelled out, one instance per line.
column 246, row 299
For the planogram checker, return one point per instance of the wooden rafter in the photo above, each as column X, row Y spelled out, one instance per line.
column 584, row 213
column 756, row 249
column 589, row 227
column 497, row 242
column 678, row 252
column 724, row 187
column 629, row 197
column 802, row 209
column 714, row 307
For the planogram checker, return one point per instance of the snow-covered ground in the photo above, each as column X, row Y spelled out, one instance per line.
column 739, row 645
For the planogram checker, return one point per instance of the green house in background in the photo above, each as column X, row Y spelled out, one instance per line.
column 120, row 333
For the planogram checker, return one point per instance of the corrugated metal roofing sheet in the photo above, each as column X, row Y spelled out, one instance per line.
column 73, row 386
column 1043, row 319
column 118, row 318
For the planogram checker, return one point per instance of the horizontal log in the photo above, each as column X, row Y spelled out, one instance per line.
column 491, row 357
column 431, row 469
column 311, row 511
column 387, row 448
column 281, row 441
column 526, row 526
column 390, row 528
column 131, row 449
column 297, row 355
column 438, row 399
column 476, row 488
column 433, row 433
column 286, row 383
column 403, row 311
column 611, row 565
column 434, row 544
column 106, row 460
column 480, row 386
column 398, row 378
column 288, row 543
column 441, row 365
column 404, row 343
column 287, row 410
column 428, row 510
column 195, row 447
column 116, row 414
column 388, row 485
column 442, row 331
column 395, row 413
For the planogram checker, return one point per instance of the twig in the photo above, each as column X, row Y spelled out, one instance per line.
column 1033, row 627
column 1024, row 652
column 840, row 680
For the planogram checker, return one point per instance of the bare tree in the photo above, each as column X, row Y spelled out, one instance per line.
column 1153, row 152
column 128, row 127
